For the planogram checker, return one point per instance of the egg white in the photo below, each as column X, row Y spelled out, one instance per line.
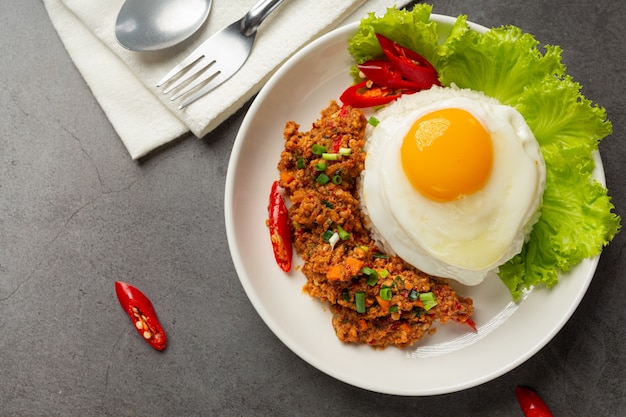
column 466, row 238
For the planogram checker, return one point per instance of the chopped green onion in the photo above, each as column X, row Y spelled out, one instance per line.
column 366, row 270
column 318, row 149
column 372, row 276
column 393, row 309
column 372, row 280
column 337, row 179
column 380, row 256
column 327, row 235
column 345, row 151
column 383, row 273
column 414, row 295
column 330, row 156
column 385, row 293
column 373, row 121
column 342, row 233
column 359, row 300
column 333, row 240
column 300, row 163
column 398, row 281
column 428, row 299
column 320, row 167
column 322, row 179
column 345, row 295
column 328, row 204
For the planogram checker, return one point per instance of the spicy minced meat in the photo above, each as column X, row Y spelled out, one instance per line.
column 375, row 298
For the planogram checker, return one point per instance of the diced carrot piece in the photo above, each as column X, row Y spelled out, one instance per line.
column 354, row 265
column 384, row 304
column 286, row 177
column 405, row 327
column 335, row 273
column 362, row 325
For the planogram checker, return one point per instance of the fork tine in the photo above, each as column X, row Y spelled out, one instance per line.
column 215, row 82
column 207, row 75
column 191, row 59
column 198, row 67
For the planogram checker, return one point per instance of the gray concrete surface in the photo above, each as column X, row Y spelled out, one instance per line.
column 76, row 214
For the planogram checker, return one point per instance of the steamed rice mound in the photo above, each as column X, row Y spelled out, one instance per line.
column 335, row 272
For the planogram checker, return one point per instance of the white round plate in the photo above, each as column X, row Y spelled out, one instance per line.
column 452, row 359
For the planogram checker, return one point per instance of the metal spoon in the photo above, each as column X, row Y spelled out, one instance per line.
column 151, row 25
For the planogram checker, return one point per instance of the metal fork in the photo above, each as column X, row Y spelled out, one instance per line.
column 218, row 58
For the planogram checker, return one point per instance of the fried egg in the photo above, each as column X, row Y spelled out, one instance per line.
column 453, row 182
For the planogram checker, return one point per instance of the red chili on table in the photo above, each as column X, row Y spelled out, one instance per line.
column 280, row 231
column 142, row 314
column 532, row 405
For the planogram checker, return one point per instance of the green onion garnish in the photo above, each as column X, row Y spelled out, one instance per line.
column 398, row 281
column 342, row 233
column 333, row 240
column 320, row 167
column 322, row 179
column 328, row 204
column 345, row 295
column 366, row 270
column 383, row 273
column 393, row 309
column 330, row 156
column 380, row 256
column 372, row 280
column 318, row 149
column 327, row 235
column 300, row 163
column 385, row 293
column 414, row 295
column 373, row 121
column 372, row 276
column 428, row 299
column 337, row 179
column 359, row 300
column 345, row 151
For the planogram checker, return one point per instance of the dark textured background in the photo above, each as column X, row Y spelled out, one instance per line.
column 76, row 214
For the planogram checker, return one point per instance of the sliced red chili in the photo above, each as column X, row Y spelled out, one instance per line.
column 142, row 314
column 384, row 73
column 471, row 324
column 361, row 95
column 336, row 143
column 404, row 72
column 280, row 230
column 410, row 64
column 344, row 112
column 532, row 405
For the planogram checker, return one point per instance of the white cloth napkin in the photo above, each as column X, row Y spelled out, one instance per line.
column 123, row 82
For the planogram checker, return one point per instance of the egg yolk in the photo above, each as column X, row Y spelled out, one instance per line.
column 447, row 154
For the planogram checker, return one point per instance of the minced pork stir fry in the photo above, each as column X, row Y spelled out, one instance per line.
column 374, row 298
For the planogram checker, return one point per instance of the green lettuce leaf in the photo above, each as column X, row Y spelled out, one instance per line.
column 577, row 217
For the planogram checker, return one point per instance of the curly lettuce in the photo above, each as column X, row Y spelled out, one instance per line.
column 577, row 217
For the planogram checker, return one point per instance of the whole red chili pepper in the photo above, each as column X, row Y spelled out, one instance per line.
column 280, row 231
column 532, row 405
column 141, row 313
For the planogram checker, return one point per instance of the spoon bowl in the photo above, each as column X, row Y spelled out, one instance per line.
column 152, row 25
